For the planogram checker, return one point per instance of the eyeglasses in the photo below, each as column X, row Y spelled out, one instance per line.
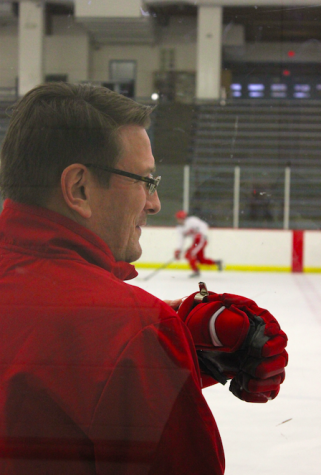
column 151, row 182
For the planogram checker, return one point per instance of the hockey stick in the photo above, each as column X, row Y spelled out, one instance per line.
column 166, row 264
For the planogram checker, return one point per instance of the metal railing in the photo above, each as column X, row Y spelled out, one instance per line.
column 242, row 197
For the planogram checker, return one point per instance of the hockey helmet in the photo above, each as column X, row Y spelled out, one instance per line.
column 181, row 214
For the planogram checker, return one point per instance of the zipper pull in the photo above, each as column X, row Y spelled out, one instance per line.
column 203, row 293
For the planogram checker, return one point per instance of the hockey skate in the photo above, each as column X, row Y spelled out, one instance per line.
column 196, row 273
column 219, row 265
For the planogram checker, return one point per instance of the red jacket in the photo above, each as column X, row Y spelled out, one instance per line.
column 97, row 375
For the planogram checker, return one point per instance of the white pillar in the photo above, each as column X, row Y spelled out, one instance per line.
column 186, row 188
column 31, row 37
column 287, row 188
column 236, row 207
column 209, row 52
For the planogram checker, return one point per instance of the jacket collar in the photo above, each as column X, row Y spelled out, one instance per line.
column 45, row 232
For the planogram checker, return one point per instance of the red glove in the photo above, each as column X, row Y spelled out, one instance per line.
column 177, row 254
column 237, row 339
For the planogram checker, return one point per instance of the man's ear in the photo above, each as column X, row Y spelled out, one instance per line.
column 75, row 181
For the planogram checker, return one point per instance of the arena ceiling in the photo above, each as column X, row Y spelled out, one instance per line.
column 263, row 24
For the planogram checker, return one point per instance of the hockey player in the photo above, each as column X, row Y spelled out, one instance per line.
column 197, row 229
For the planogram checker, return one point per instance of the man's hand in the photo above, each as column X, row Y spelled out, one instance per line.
column 237, row 340
column 174, row 304
column 177, row 254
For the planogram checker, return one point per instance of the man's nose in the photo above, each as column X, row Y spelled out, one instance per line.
column 153, row 205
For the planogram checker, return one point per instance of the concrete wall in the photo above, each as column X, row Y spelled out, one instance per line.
column 110, row 8
column 147, row 60
column 146, row 57
column 66, row 51
column 241, row 249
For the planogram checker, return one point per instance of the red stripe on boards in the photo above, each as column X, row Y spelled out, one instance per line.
column 297, row 251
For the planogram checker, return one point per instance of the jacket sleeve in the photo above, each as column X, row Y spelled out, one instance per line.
column 152, row 417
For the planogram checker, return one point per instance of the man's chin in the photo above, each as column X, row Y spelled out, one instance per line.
column 133, row 254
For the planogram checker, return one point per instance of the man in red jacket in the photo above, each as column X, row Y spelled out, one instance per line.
column 97, row 376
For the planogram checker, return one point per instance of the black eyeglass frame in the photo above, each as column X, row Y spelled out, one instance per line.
column 152, row 183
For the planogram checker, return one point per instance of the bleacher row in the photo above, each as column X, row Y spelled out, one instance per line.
column 273, row 133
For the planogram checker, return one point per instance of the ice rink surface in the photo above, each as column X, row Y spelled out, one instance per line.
column 281, row 437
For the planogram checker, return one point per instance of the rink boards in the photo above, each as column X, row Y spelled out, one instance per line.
column 240, row 249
